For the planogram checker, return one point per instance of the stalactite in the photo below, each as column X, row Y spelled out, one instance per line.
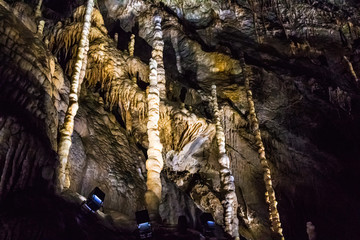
column 154, row 163
column 351, row 69
column 253, row 9
column 40, row 28
column 227, row 180
column 132, row 45
column 68, row 127
column 280, row 17
column 270, row 192
column 157, row 55
column 131, row 48
column 175, row 44
column 38, row 9
column 116, row 38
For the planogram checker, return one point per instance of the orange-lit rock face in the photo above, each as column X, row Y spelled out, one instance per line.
column 302, row 59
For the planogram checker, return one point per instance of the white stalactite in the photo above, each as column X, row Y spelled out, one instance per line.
column 270, row 192
column 157, row 55
column 154, row 163
column 175, row 43
column 68, row 127
column 227, row 180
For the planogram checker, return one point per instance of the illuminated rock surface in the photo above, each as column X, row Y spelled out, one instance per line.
column 303, row 62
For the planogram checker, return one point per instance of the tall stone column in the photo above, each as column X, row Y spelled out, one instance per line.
column 154, row 163
column 270, row 192
column 157, row 55
column 66, row 131
column 227, row 180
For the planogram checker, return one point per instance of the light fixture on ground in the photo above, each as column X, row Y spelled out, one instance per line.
column 143, row 223
column 95, row 200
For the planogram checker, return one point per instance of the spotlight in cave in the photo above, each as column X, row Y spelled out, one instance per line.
column 143, row 224
column 95, row 200
column 208, row 224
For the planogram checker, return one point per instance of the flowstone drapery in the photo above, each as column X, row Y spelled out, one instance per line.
column 68, row 127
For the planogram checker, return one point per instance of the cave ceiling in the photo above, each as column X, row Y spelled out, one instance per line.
column 301, row 59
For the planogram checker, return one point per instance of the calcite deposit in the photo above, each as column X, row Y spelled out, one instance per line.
column 273, row 157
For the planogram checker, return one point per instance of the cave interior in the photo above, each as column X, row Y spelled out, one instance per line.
column 175, row 106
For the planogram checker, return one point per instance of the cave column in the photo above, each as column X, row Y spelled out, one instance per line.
column 270, row 192
column 157, row 55
column 154, row 163
column 227, row 180
column 157, row 92
column 128, row 118
column 63, row 180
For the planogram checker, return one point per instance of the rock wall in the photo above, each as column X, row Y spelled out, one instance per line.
column 302, row 57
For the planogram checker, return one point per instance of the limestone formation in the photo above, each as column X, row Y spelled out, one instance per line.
column 68, row 127
column 305, row 91
column 155, row 162
column 38, row 9
column 132, row 45
column 270, row 192
column 41, row 27
column 227, row 180
column 351, row 68
column 157, row 55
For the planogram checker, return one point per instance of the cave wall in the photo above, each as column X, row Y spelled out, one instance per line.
column 306, row 98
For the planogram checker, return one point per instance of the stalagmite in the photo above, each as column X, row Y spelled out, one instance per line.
column 270, row 192
column 310, row 230
column 38, row 9
column 154, row 163
column 227, row 180
column 157, row 55
column 68, row 127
